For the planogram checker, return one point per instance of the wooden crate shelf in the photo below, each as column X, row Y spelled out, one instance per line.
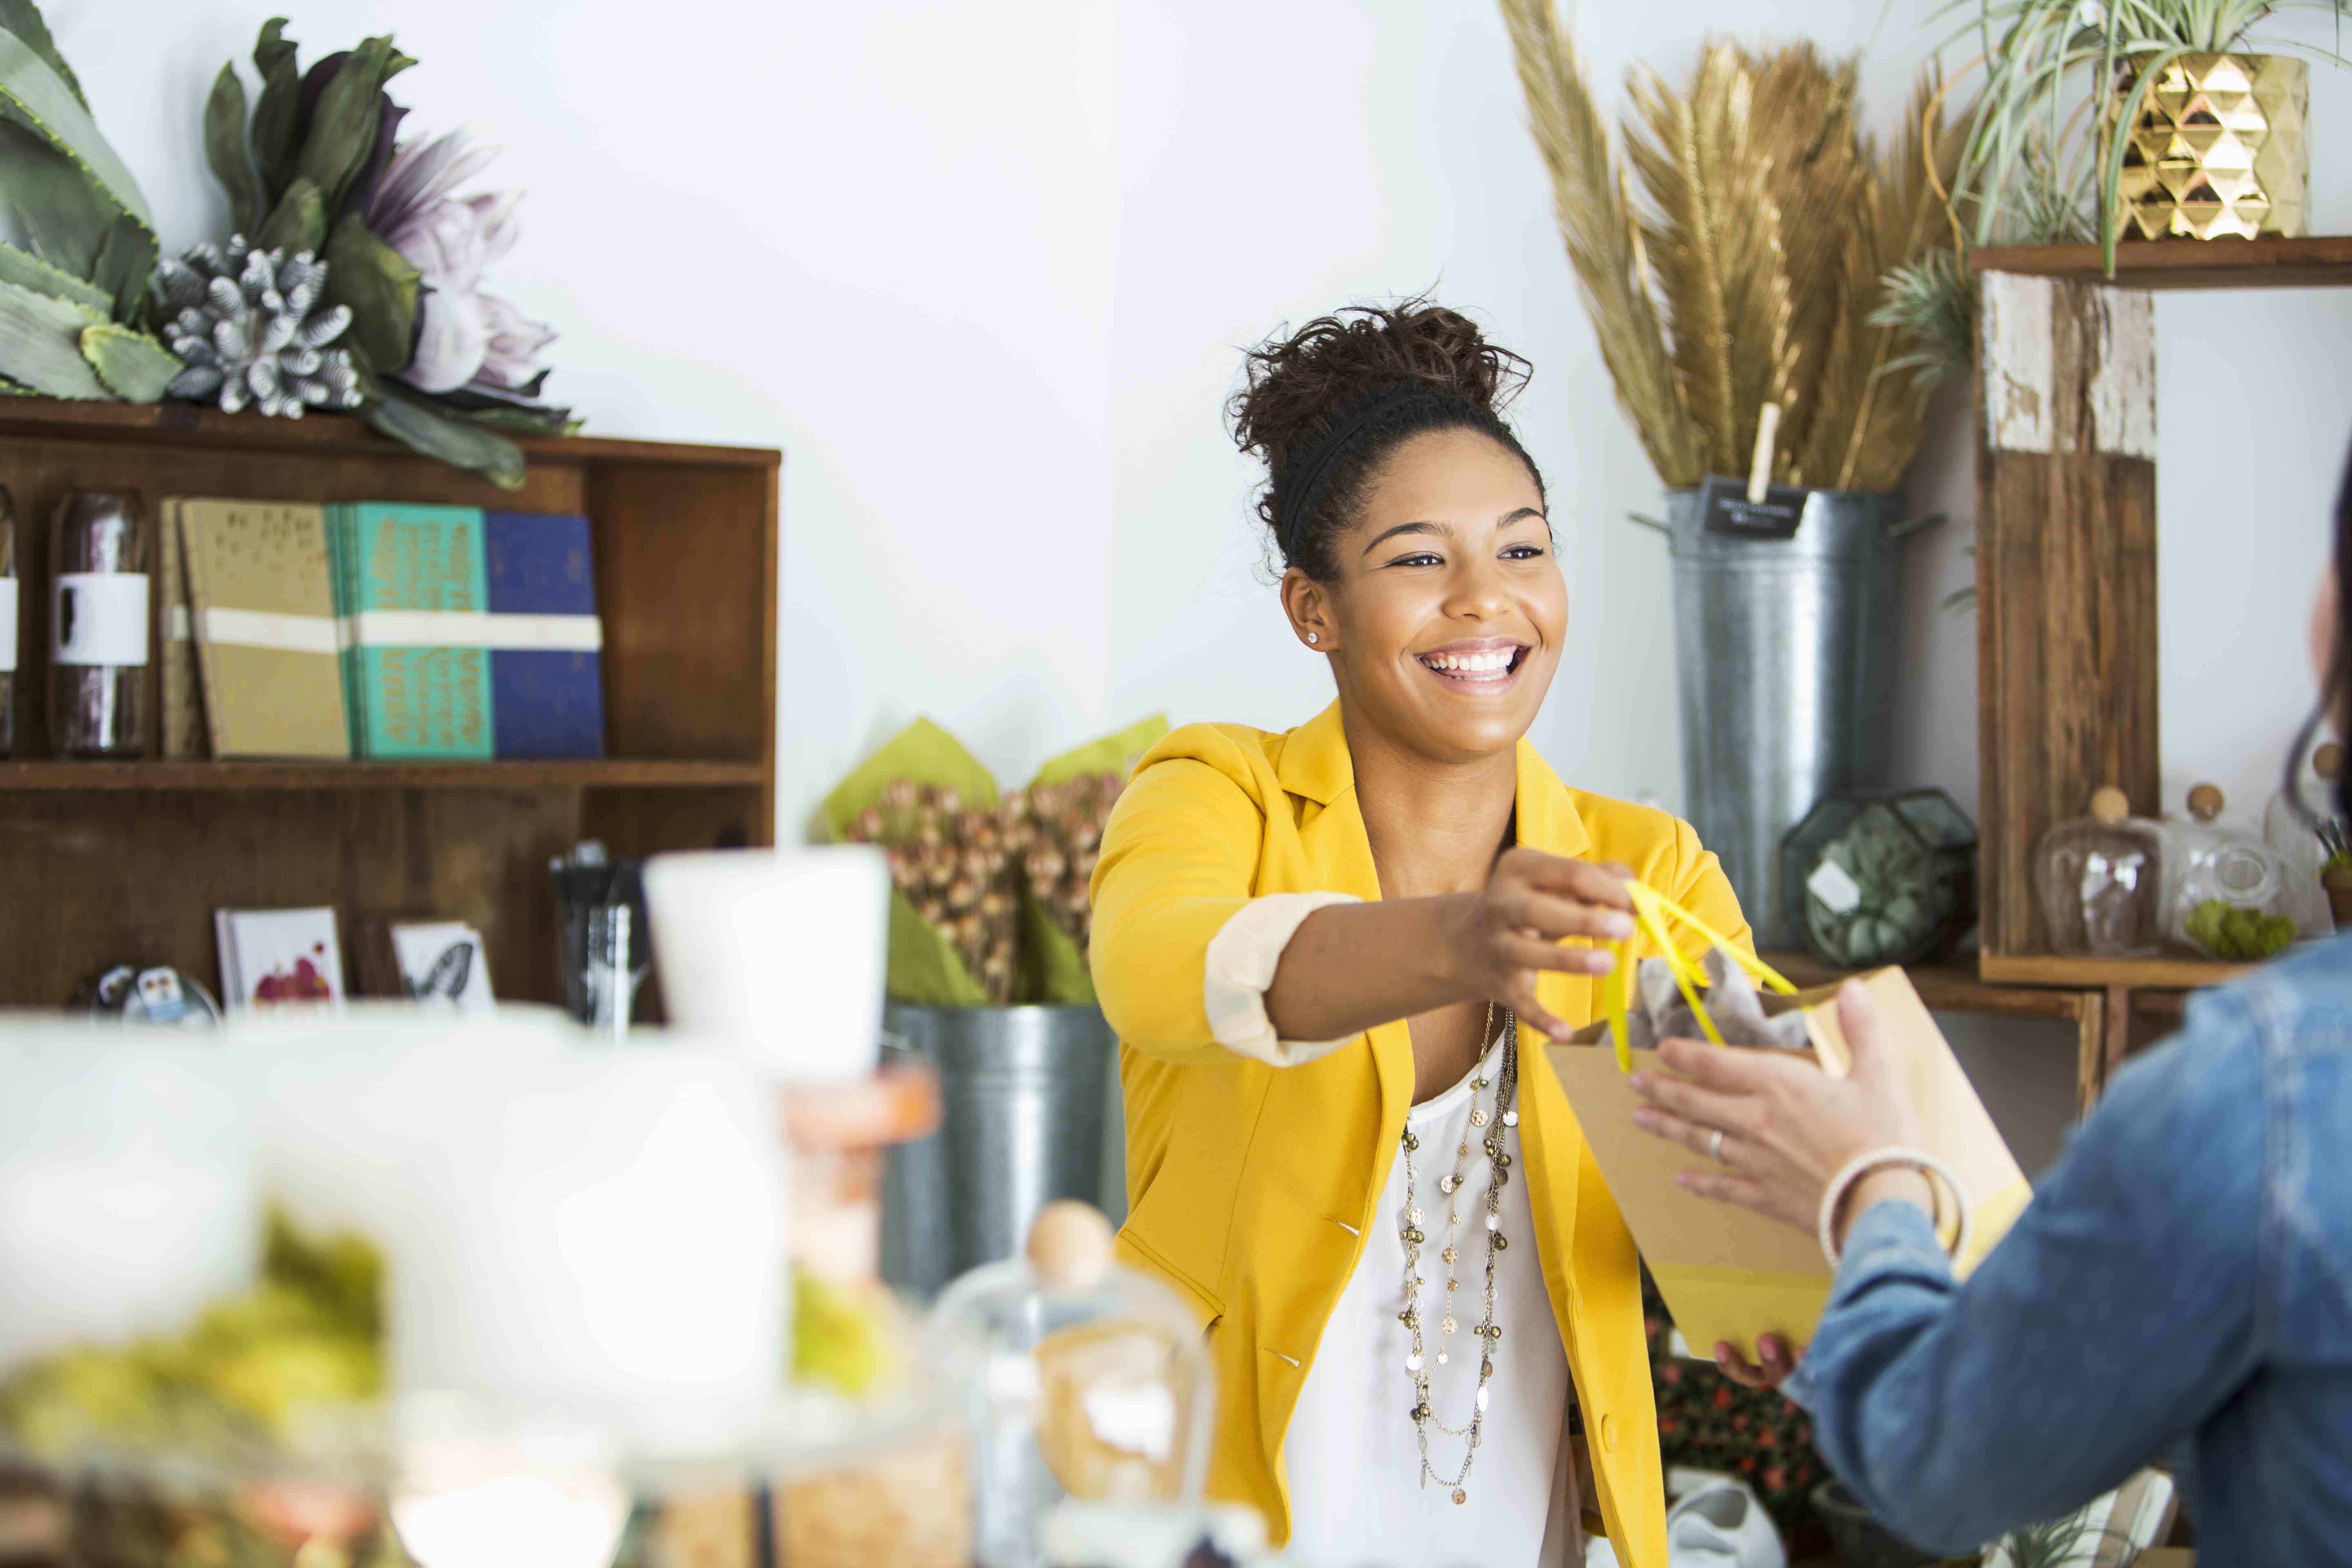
column 2161, row 974
column 1946, row 988
column 111, row 862
column 2312, row 262
column 610, row 772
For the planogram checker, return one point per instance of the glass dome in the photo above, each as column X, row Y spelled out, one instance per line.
column 2101, row 879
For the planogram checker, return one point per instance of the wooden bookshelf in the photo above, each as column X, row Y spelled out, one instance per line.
column 105, row 862
column 2316, row 261
column 637, row 772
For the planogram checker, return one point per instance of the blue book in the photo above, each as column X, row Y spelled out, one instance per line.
column 547, row 679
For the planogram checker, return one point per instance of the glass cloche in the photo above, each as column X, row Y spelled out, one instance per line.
column 1877, row 877
column 2101, row 879
column 2305, row 845
column 1078, row 1379
column 2225, row 891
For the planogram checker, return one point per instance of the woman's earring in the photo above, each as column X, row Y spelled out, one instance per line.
column 1313, row 636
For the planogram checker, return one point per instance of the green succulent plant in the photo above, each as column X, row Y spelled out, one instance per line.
column 73, row 295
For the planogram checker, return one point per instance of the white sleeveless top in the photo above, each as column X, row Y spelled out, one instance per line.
column 1351, row 1455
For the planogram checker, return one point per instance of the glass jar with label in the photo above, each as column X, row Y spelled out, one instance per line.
column 1078, row 1379
column 2101, row 879
column 98, row 616
column 8, row 580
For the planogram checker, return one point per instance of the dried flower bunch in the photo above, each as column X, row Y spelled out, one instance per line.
column 1066, row 828
column 1750, row 271
column 964, row 868
column 960, row 868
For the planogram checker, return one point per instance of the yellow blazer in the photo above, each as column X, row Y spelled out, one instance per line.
column 1250, row 1186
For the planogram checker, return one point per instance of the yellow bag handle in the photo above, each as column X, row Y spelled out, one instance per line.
column 1651, row 911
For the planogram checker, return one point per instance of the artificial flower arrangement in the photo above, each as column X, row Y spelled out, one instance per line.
column 353, row 280
column 990, row 898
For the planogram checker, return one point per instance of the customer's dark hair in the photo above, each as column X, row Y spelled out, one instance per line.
column 1326, row 406
column 2338, row 679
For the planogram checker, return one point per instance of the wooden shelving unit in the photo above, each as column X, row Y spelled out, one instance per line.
column 2066, row 587
column 106, row 862
column 2314, row 261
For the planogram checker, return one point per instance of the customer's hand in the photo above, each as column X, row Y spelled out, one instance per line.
column 1786, row 1127
column 1510, row 935
column 1778, row 1361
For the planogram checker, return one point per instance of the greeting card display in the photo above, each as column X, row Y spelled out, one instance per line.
column 279, row 958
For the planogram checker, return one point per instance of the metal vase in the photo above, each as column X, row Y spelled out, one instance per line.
column 1023, row 1093
column 1787, row 651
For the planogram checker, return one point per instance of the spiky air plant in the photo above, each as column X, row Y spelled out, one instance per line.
column 1747, row 268
column 249, row 326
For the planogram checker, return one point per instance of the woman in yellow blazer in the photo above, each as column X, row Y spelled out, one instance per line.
column 1303, row 941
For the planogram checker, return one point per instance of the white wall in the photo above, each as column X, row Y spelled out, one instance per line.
column 983, row 272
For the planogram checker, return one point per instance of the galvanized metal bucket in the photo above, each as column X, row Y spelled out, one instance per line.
column 1786, row 649
column 1024, row 1096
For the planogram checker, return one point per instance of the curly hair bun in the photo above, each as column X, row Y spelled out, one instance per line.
column 1302, row 387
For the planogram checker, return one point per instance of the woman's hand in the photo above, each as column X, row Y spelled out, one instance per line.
column 1510, row 934
column 1785, row 1126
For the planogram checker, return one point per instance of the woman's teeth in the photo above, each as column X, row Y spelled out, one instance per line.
column 1495, row 663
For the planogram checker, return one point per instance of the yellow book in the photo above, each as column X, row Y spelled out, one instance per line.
column 263, row 610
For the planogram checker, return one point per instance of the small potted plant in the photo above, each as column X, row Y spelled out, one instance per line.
column 2160, row 112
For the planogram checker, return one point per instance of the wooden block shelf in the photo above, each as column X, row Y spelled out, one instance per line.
column 109, row 862
column 2309, row 262
column 610, row 772
column 2161, row 974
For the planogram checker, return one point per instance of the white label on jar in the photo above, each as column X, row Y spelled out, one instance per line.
column 1831, row 885
column 7, row 625
column 97, row 617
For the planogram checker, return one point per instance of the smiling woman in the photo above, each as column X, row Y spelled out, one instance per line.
column 1321, row 949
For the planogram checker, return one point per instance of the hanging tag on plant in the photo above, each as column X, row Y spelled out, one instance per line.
column 1724, row 508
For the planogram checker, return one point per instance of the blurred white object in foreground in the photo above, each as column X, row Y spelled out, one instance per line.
column 594, row 1230
column 127, row 1193
column 776, row 953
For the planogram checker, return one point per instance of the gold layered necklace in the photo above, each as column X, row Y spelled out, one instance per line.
column 1489, row 1334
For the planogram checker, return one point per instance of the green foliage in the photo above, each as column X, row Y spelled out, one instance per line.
column 298, row 223
column 307, row 1332
column 72, row 308
column 2238, row 935
column 134, row 366
column 840, row 1337
column 224, row 147
column 381, row 287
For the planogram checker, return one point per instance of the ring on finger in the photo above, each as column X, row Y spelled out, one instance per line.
column 1715, row 1146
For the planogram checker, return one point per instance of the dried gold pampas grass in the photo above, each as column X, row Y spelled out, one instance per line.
column 1749, row 271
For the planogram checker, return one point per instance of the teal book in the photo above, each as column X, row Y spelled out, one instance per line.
column 419, row 601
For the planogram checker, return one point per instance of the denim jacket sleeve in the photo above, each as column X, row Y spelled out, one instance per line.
column 2124, row 1306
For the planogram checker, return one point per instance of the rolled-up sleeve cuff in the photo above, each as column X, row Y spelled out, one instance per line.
column 1888, row 1239
column 1242, row 957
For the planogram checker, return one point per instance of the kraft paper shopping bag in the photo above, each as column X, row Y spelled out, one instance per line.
column 1727, row 1273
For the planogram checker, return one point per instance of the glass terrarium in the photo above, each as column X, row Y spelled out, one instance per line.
column 2225, row 891
column 2101, row 879
column 1080, row 1381
column 1876, row 877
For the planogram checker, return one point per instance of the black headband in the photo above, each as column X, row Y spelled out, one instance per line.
column 1311, row 468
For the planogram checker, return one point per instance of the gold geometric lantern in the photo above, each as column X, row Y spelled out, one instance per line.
column 2221, row 147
